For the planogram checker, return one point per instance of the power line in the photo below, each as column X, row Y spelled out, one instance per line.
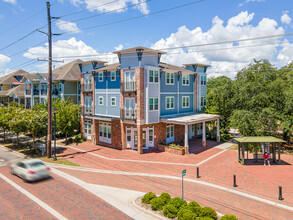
column 141, row 16
column 108, row 12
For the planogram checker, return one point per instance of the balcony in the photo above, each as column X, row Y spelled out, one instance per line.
column 55, row 92
column 44, row 92
column 36, row 92
column 128, row 114
column 87, row 88
column 128, row 86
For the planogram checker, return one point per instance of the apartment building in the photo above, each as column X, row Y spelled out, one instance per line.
column 65, row 85
column 12, row 87
column 141, row 102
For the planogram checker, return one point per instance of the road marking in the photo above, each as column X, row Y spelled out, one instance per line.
column 146, row 161
column 35, row 199
column 210, row 157
column 244, row 194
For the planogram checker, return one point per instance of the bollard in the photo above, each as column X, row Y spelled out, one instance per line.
column 280, row 193
column 234, row 181
column 197, row 172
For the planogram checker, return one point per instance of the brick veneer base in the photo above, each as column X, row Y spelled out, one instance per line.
column 173, row 150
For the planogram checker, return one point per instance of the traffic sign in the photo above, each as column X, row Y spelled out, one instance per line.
column 183, row 172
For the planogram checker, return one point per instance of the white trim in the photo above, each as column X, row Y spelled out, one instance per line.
column 174, row 93
column 113, row 97
column 185, row 100
column 103, row 93
column 114, row 75
column 169, row 84
column 33, row 198
column 101, row 80
column 102, row 101
column 185, row 80
column 154, row 82
column 154, row 110
column 170, row 102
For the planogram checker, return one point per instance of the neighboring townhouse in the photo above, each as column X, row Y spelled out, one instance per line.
column 141, row 102
column 12, row 87
column 65, row 85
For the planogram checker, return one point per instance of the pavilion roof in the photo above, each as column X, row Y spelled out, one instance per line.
column 259, row 139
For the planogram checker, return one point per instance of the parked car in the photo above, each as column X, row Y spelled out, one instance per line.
column 31, row 170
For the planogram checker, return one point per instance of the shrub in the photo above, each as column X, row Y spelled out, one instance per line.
column 177, row 202
column 78, row 139
column 165, row 197
column 185, row 214
column 228, row 217
column 148, row 197
column 195, row 208
column 157, row 204
column 208, row 212
column 203, row 218
column 170, row 211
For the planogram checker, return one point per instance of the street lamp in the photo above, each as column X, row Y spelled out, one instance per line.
column 54, row 112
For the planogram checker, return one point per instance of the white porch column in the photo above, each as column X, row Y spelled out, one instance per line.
column 204, row 143
column 218, row 130
column 186, row 138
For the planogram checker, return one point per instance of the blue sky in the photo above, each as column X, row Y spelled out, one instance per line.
column 203, row 22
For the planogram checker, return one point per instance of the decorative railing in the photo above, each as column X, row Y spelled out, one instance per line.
column 128, row 86
column 128, row 113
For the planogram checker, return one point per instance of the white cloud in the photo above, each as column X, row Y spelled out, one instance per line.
column 247, row 1
column 3, row 61
column 10, row 1
column 286, row 54
column 67, row 26
column 103, row 6
column 119, row 47
column 285, row 19
column 224, row 58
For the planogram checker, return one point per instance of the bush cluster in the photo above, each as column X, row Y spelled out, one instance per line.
column 177, row 207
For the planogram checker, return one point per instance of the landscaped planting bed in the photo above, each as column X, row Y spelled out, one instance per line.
column 176, row 208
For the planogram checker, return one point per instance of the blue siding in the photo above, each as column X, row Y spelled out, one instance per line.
column 107, row 89
column 168, row 88
column 183, row 110
column 187, row 88
column 131, row 60
column 86, row 68
column 163, row 110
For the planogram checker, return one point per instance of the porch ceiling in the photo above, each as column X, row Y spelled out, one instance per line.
column 187, row 119
column 101, row 117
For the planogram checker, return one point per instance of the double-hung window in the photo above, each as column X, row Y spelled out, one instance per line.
column 153, row 76
column 203, row 101
column 185, row 80
column 170, row 133
column 170, row 102
column 185, row 101
column 101, row 100
column 100, row 77
column 153, row 104
column 105, row 132
column 87, row 82
column 203, row 80
column 113, row 76
column 113, row 101
column 169, row 78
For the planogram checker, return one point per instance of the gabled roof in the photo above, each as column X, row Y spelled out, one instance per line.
column 197, row 64
column 259, row 139
column 174, row 68
column 113, row 66
column 11, row 78
column 69, row 71
column 17, row 91
column 134, row 49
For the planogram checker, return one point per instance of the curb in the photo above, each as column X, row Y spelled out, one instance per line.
column 147, row 211
column 14, row 152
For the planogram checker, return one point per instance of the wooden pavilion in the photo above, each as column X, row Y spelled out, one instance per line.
column 273, row 144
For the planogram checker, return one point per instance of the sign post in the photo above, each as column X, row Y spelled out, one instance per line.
column 183, row 174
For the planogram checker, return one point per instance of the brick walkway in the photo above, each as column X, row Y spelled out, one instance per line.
column 68, row 199
column 255, row 179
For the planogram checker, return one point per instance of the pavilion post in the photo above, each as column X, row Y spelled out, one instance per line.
column 218, row 130
column 279, row 153
column 204, row 142
column 243, row 149
column 274, row 152
column 186, row 138
column 247, row 152
column 255, row 146
column 239, row 148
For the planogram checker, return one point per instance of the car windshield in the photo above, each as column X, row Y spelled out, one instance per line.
column 37, row 164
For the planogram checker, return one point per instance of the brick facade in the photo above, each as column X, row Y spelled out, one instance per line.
column 179, row 132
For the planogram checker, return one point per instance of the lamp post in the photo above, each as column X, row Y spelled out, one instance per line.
column 54, row 111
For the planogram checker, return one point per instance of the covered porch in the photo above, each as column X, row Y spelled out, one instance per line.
column 190, row 119
column 268, row 144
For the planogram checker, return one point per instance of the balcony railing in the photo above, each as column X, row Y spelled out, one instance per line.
column 28, row 92
column 36, row 92
column 128, row 86
column 87, row 87
column 44, row 92
column 128, row 113
column 55, row 92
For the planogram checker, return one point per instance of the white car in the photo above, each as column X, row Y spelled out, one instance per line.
column 31, row 170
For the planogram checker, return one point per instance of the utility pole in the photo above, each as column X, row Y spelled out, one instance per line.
column 49, row 34
column 49, row 136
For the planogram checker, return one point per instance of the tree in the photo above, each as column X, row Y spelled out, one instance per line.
column 18, row 122
column 67, row 117
column 37, row 123
column 4, row 119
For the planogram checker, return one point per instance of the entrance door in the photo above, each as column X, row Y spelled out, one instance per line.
column 129, row 138
column 135, row 139
column 144, row 144
column 191, row 129
column 199, row 129
column 129, row 108
column 87, row 129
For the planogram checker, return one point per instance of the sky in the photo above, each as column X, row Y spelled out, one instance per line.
column 92, row 29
